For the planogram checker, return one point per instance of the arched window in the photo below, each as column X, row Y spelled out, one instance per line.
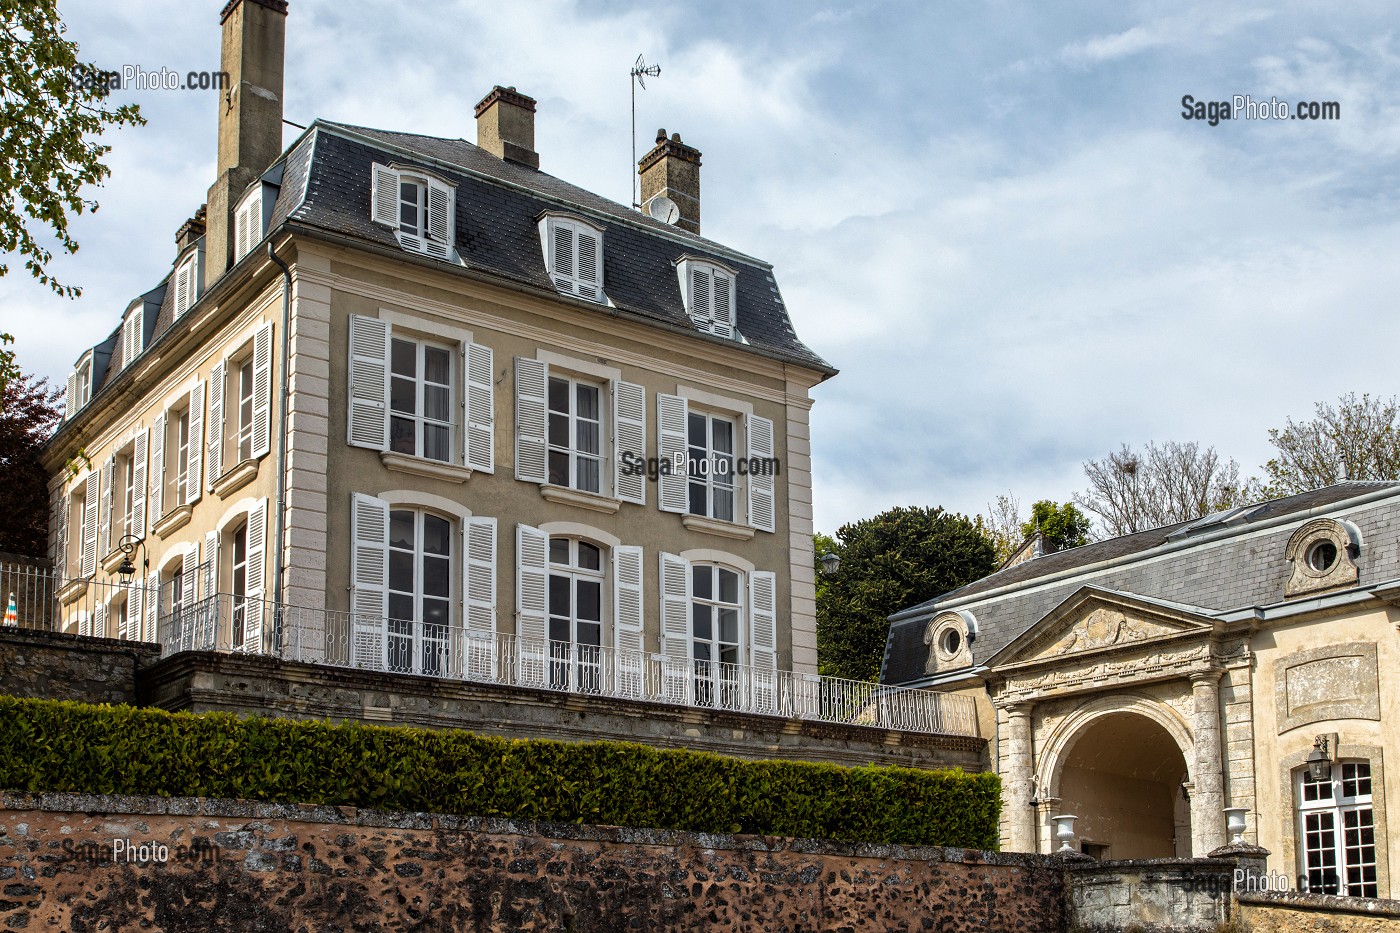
column 576, row 585
column 420, row 591
column 1337, row 830
column 239, row 576
column 716, row 616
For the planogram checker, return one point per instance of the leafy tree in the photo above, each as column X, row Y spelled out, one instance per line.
column 1063, row 526
column 1164, row 485
column 890, row 562
column 51, row 105
column 29, row 409
column 1357, row 439
column 1002, row 526
column 821, row 546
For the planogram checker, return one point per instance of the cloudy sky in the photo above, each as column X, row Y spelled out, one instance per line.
column 991, row 217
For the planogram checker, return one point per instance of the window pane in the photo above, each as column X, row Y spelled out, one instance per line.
column 400, row 606
column 699, row 499
column 587, row 402
column 559, row 630
column 728, row 586
column 701, row 622
column 724, row 505
column 437, row 403
column 559, row 551
column 723, row 436
column 401, row 525
column 558, row 595
column 403, row 359
column 590, row 556
column 403, row 395
column 558, row 468
column 437, row 365
column 590, row 634
column 729, row 654
column 401, row 576
column 436, row 612
column 559, row 430
column 590, row 600
column 436, row 444
column 702, row 651
column 702, row 582
column 437, row 577
column 559, row 395
column 588, row 475
column 729, row 626
column 589, row 437
column 437, row 535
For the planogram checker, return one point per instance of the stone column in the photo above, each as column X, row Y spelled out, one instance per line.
column 1021, row 816
column 1208, row 798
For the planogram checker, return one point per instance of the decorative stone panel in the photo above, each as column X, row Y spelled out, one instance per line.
column 1331, row 682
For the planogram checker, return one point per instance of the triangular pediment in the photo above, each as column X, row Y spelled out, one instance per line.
column 1095, row 619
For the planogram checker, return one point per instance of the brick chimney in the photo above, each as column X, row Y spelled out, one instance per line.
column 191, row 230
column 250, row 115
column 672, row 169
column 505, row 126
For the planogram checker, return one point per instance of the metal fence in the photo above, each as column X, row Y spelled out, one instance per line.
column 187, row 617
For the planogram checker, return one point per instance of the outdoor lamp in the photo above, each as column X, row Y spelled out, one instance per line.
column 126, row 569
column 831, row 562
column 1319, row 762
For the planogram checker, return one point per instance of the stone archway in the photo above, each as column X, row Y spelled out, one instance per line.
column 1120, row 764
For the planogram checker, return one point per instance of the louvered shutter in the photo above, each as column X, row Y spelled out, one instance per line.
column 671, row 414
column 262, row 391
column 211, row 564
column 480, row 433
column 130, row 629
column 155, row 501
column 562, row 251
column 256, row 588
column 150, row 604
column 701, row 307
column 760, row 481
column 531, row 604
column 369, row 581
column 440, row 221
column 218, row 386
column 723, row 305
column 590, row 264
column 763, row 600
column 479, row 573
column 194, row 485
column 628, row 619
column 369, row 383
column 182, row 288
column 89, row 567
column 629, row 441
column 104, row 516
column 138, row 482
column 70, row 400
column 240, row 234
column 385, row 197
column 58, row 525
column 531, row 414
column 675, row 629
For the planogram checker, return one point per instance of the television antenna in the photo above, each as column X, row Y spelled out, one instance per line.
column 640, row 72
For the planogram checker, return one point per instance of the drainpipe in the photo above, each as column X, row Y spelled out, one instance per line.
column 282, row 446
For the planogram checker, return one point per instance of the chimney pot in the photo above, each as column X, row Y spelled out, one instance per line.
column 505, row 126
column 672, row 170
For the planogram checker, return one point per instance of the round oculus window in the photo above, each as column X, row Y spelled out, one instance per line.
column 1322, row 556
column 951, row 643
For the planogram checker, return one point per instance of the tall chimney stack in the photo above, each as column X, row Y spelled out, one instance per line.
column 505, row 126
column 250, row 115
column 672, row 170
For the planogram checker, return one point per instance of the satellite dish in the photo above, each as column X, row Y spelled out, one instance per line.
column 664, row 209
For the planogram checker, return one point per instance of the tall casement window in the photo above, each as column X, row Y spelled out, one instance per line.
column 420, row 591
column 177, row 455
column 240, row 409
column 1337, row 830
column 244, row 383
column 180, row 453
column 420, row 400
column 730, row 468
column 419, row 208
column 716, row 613
column 576, row 579
column 405, row 400
column 575, row 434
column 239, row 585
column 126, row 480
column 710, row 465
column 573, row 255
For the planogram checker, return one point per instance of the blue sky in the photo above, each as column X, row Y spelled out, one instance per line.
column 992, row 217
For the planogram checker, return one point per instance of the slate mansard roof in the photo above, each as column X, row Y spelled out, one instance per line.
column 1231, row 561
column 324, row 184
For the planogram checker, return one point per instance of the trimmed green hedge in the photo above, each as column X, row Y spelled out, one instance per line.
column 48, row 746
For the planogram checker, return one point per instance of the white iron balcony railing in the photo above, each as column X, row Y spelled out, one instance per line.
column 391, row 646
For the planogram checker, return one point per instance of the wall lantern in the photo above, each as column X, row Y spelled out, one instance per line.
column 126, row 569
column 1319, row 761
column 831, row 562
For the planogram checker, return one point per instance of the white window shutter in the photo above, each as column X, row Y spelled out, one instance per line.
column 369, row 383
column 98, row 629
column 531, row 603
column 58, row 512
column 723, row 306
column 150, row 604
column 240, row 233
column 90, row 505
column 671, row 414
column 701, row 308
column 369, row 580
column 214, row 459
column 104, row 516
column 70, row 400
column 763, row 619
column 562, row 256
column 675, row 628
column 590, row 264
column 480, row 576
column 257, row 577
column 629, row 440
column 627, row 598
column 155, row 502
column 531, row 420
column 196, row 451
column 480, row 433
column 131, row 628
column 211, row 563
column 138, row 482
column 385, row 196
column 262, row 390
column 183, row 287
column 441, row 221
column 760, row 483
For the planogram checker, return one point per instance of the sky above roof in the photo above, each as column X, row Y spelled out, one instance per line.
column 992, row 217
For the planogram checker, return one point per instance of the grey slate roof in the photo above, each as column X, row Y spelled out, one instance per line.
column 1243, row 569
column 326, row 183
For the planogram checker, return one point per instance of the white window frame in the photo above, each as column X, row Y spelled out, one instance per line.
column 434, row 230
column 575, row 665
column 1336, row 807
column 710, row 295
column 419, row 417
column 238, row 586
column 571, row 450
column 568, row 268
column 421, row 638
column 180, row 452
column 246, row 405
column 126, row 471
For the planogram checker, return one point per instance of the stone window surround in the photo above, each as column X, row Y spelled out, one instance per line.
column 1305, row 579
column 1339, row 749
column 939, row 660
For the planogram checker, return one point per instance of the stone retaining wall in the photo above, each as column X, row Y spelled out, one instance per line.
column 1317, row 913
column 55, row 666
column 235, row 866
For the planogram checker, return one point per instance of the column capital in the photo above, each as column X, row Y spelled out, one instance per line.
column 1018, row 709
column 1210, row 677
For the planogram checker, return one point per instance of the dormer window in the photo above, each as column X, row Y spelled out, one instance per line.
column 133, row 335
column 708, row 290
column 79, row 386
column 573, row 254
column 248, row 223
column 420, row 208
column 186, row 283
